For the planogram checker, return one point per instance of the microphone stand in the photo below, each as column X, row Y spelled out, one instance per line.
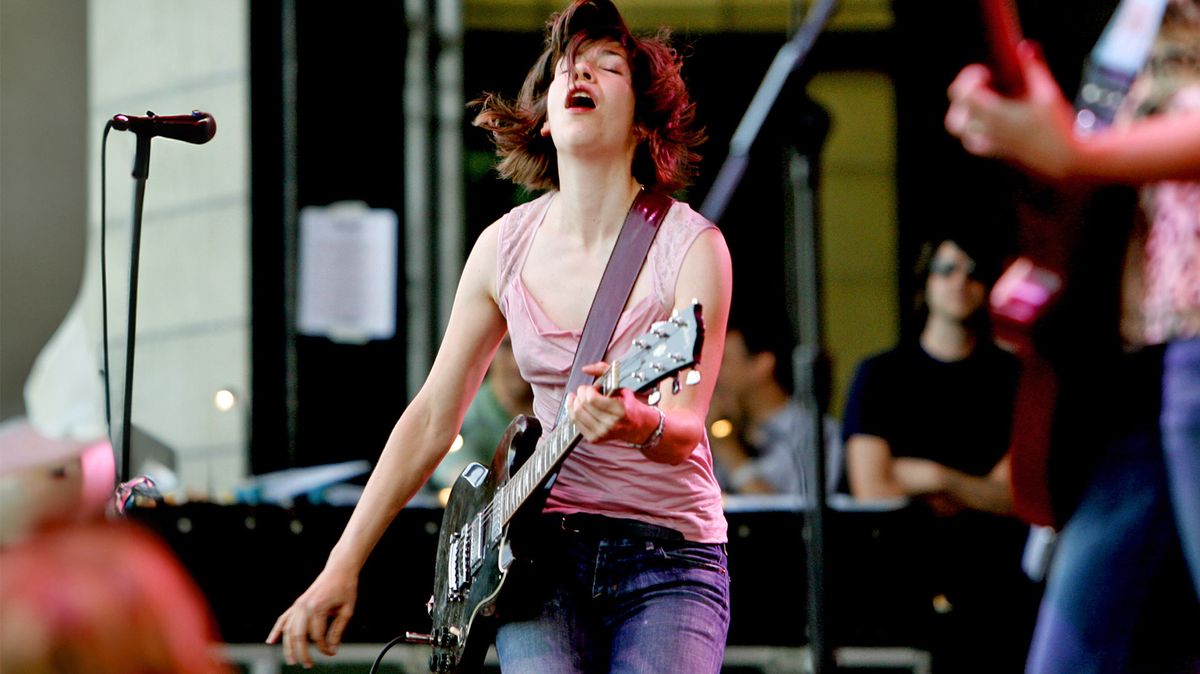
column 789, row 59
column 802, row 253
column 806, row 361
column 141, row 171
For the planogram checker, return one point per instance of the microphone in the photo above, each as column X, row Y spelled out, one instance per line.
column 197, row 128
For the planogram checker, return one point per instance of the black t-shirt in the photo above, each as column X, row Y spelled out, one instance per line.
column 958, row 413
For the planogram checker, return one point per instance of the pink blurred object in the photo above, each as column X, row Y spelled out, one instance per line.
column 23, row 447
column 103, row 597
column 50, row 479
column 1024, row 292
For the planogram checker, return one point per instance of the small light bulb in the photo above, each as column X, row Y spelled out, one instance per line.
column 224, row 400
column 721, row 428
column 444, row 496
column 457, row 444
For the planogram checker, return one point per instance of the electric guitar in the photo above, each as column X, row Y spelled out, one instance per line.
column 1044, row 305
column 1024, row 294
column 474, row 553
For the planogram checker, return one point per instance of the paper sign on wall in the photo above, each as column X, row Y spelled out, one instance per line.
column 348, row 272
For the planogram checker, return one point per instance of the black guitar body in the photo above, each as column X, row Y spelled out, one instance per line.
column 471, row 574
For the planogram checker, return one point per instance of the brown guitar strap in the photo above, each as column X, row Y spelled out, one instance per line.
column 626, row 259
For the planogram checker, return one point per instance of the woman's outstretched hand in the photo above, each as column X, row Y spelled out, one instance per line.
column 331, row 595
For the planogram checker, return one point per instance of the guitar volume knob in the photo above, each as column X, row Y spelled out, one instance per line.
column 441, row 663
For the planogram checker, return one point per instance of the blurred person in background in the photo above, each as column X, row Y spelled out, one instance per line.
column 1142, row 493
column 503, row 396
column 766, row 447
column 930, row 419
column 927, row 424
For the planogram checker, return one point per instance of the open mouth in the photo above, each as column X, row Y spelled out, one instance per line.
column 580, row 99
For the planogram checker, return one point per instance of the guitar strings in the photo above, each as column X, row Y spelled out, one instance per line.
column 542, row 450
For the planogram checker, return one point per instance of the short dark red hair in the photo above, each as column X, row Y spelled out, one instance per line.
column 666, row 155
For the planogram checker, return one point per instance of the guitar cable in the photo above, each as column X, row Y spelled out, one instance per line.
column 388, row 646
column 104, row 275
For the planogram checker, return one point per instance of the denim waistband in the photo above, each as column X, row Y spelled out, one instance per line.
column 601, row 526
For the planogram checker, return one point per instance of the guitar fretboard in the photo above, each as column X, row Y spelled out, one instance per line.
column 550, row 451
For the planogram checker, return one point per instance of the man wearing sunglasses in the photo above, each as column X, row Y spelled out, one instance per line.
column 927, row 426
column 930, row 420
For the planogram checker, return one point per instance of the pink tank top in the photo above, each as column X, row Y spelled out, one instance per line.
column 602, row 478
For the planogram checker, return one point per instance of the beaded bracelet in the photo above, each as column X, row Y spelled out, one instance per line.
column 656, row 436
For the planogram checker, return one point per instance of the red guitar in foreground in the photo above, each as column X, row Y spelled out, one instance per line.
column 1021, row 297
column 1049, row 236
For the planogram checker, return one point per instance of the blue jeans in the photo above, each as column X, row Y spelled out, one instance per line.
column 1181, row 444
column 1106, row 557
column 612, row 603
column 1108, row 599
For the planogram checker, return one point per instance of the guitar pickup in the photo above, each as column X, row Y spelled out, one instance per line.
column 476, row 549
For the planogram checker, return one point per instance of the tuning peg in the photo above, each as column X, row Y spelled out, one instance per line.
column 675, row 385
column 654, row 397
column 693, row 377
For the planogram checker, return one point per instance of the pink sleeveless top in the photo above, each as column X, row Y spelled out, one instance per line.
column 608, row 479
column 1161, row 291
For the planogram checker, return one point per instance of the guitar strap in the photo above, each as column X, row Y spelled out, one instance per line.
column 626, row 259
column 1115, row 62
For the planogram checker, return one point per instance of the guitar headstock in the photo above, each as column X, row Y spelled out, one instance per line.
column 670, row 347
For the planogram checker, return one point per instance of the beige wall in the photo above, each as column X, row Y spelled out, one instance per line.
column 66, row 67
column 193, row 320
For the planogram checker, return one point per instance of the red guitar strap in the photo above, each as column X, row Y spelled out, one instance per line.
column 626, row 259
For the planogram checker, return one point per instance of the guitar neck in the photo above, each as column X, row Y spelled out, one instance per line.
column 545, row 459
column 1003, row 35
